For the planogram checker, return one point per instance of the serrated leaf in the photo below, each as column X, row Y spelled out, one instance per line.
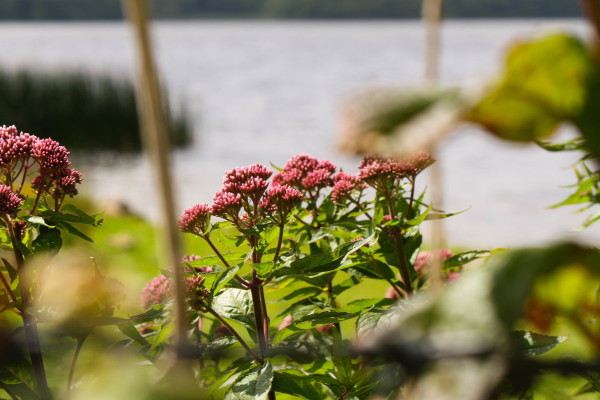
column 264, row 269
column 529, row 344
column 235, row 304
column 253, row 384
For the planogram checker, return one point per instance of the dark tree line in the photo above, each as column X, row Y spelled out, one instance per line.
column 111, row 9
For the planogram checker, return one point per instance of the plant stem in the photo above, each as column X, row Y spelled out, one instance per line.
column 279, row 242
column 258, row 318
column 35, row 203
column 244, row 282
column 11, row 294
column 7, row 390
column 74, row 361
column 399, row 244
column 404, row 271
column 399, row 291
column 332, row 302
column 412, row 198
column 31, row 332
column 265, row 316
column 237, row 336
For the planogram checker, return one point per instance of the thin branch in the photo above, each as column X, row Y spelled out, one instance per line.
column 279, row 242
column 74, row 361
column 8, row 391
column 11, row 294
column 237, row 336
column 244, row 282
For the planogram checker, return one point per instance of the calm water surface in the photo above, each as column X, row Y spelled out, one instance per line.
column 264, row 91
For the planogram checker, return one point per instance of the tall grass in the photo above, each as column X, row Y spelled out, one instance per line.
column 81, row 111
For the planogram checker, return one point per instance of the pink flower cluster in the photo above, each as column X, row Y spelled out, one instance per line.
column 9, row 201
column 244, row 189
column 195, row 219
column 280, row 200
column 379, row 171
column 22, row 153
column 306, row 173
column 345, row 185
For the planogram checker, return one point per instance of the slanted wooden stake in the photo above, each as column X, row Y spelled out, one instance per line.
column 155, row 137
column 432, row 18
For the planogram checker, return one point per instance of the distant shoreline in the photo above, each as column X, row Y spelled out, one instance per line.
column 265, row 19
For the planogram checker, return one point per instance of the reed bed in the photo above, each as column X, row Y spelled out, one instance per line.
column 80, row 110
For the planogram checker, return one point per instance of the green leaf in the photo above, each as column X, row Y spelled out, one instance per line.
column 543, row 85
column 49, row 239
column 345, row 285
column 235, row 304
column 585, row 389
column 76, row 216
column 365, row 304
column 593, row 379
column 577, row 144
column 36, row 220
column 165, row 333
column 216, row 347
column 316, row 265
column 223, row 278
column 65, row 226
column 129, row 330
column 264, row 269
column 418, row 220
column 231, row 258
column 528, row 344
column 149, row 315
column 304, row 292
column 465, row 257
column 253, row 384
column 323, row 318
column 294, row 385
column 432, row 216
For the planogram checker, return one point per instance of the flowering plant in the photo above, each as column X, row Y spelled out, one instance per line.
column 36, row 179
column 308, row 234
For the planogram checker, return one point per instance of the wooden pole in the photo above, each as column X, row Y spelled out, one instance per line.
column 432, row 18
column 155, row 137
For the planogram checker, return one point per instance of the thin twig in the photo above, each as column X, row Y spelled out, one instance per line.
column 74, row 361
column 11, row 294
column 8, row 391
column 244, row 282
column 279, row 242
column 237, row 336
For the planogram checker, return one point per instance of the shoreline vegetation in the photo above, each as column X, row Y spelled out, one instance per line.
column 87, row 112
column 67, row 10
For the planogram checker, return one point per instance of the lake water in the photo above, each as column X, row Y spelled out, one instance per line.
column 264, row 91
